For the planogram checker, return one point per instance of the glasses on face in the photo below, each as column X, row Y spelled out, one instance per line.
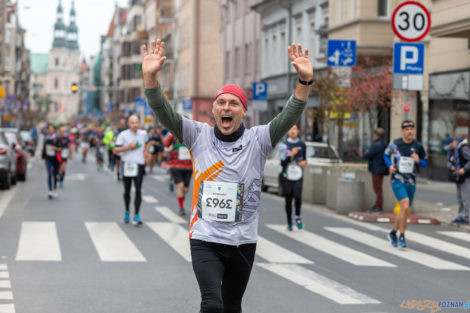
column 407, row 126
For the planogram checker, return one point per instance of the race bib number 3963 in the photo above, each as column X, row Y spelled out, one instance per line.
column 220, row 201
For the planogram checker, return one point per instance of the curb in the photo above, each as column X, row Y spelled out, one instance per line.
column 390, row 218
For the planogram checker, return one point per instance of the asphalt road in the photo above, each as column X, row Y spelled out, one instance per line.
column 74, row 254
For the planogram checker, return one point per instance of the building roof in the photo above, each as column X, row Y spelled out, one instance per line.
column 39, row 63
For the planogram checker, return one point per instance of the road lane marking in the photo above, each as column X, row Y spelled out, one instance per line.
column 4, row 275
column 330, row 247
column 5, row 284
column 149, row 199
column 174, row 235
column 161, row 178
column 318, row 284
column 7, row 308
column 274, row 253
column 6, row 295
column 112, row 243
column 3, row 267
column 38, row 242
column 384, row 245
column 456, row 234
column 5, row 199
column 170, row 215
column 438, row 244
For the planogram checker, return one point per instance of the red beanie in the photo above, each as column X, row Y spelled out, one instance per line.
column 234, row 90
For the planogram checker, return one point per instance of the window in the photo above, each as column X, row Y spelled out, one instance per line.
column 227, row 65
column 237, row 61
column 56, row 83
column 353, row 9
column 56, row 61
column 382, row 8
column 248, row 57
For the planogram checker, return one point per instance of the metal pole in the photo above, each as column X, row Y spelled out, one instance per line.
column 289, row 87
column 406, row 100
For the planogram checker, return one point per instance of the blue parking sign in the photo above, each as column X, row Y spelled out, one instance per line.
column 408, row 58
column 260, row 91
column 341, row 52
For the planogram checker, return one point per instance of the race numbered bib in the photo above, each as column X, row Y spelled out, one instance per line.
column 406, row 165
column 50, row 150
column 130, row 169
column 220, row 201
column 183, row 154
column 152, row 149
column 85, row 145
column 294, row 172
column 64, row 153
column 100, row 149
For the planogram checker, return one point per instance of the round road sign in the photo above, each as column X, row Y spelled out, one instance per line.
column 411, row 21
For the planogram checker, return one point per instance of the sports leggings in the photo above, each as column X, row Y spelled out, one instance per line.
column 52, row 167
column 138, row 189
column 222, row 273
column 298, row 204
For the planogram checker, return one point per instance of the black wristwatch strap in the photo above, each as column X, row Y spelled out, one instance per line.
column 303, row 82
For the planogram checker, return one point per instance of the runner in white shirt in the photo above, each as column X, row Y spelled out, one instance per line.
column 131, row 143
column 228, row 162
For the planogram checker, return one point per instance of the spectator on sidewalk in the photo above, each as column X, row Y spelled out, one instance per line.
column 377, row 167
column 458, row 163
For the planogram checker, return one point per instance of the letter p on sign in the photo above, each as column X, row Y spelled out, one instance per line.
column 260, row 91
column 409, row 55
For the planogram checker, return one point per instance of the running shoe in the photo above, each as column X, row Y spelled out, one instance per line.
column 375, row 210
column 457, row 220
column 126, row 218
column 402, row 241
column 392, row 236
column 137, row 221
column 50, row 195
column 299, row 223
column 182, row 212
column 55, row 194
column 289, row 226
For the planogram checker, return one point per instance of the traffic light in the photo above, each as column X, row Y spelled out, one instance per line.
column 74, row 88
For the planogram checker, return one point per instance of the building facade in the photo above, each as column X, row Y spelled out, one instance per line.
column 284, row 22
column 449, row 80
column 14, row 67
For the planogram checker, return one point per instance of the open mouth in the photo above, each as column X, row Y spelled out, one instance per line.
column 226, row 121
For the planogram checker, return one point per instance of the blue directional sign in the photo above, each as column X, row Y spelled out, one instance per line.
column 187, row 104
column 408, row 58
column 341, row 52
column 260, row 91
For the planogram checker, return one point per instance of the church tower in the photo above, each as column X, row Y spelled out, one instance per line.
column 72, row 30
column 60, row 40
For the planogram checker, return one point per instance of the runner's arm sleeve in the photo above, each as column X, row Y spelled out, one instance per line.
column 423, row 162
column 164, row 112
column 286, row 119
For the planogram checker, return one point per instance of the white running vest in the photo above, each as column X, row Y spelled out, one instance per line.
column 241, row 161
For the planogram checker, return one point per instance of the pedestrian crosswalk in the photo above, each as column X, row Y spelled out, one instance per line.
column 39, row 241
column 6, row 294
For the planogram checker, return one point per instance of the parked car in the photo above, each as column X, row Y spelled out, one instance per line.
column 28, row 142
column 7, row 163
column 14, row 140
column 317, row 152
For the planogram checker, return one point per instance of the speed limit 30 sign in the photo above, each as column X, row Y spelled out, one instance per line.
column 411, row 21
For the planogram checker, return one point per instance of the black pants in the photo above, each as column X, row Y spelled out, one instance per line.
column 222, row 272
column 292, row 190
column 138, row 189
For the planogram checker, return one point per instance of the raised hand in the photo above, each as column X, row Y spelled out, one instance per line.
column 152, row 62
column 301, row 62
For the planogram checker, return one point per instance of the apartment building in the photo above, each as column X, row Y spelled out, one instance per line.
column 240, row 38
column 284, row 22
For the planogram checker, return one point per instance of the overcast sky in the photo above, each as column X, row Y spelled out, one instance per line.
column 93, row 18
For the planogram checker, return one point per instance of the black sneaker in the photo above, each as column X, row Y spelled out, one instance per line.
column 181, row 212
column 392, row 236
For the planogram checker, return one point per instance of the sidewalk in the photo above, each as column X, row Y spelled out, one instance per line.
column 434, row 201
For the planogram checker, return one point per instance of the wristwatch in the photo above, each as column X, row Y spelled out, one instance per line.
column 303, row 82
